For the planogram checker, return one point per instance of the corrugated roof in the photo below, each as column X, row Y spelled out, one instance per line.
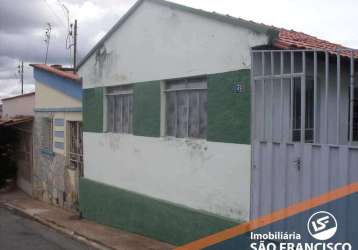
column 288, row 39
column 15, row 121
column 17, row 96
column 54, row 70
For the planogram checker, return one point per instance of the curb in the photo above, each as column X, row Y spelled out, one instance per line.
column 59, row 228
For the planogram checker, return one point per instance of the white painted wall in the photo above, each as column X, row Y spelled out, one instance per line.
column 158, row 42
column 209, row 176
column 21, row 105
column 47, row 97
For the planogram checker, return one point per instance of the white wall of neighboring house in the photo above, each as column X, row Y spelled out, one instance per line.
column 20, row 105
column 52, row 99
column 47, row 97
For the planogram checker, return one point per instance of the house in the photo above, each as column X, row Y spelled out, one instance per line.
column 168, row 95
column 0, row 110
column 57, row 135
column 20, row 105
column 167, row 122
column 17, row 120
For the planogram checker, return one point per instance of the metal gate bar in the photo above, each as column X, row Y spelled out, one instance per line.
column 267, row 75
column 286, row 171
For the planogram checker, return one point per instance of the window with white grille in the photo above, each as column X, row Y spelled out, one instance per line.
column 46, row 134
column 75, row 147
column 186, row 108
column 119, row 109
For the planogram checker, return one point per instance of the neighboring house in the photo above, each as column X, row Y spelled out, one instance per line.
column 167, row 124
column 21, row 105
column 58, row 135
column 18, row 112
column 0, row 110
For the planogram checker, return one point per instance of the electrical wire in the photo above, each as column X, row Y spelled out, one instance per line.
column 69, row 36
column 54, row 13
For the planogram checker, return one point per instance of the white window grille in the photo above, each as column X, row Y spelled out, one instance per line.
column 186, row 108
column 75, row 149
column 47, row 134
column 119, row 109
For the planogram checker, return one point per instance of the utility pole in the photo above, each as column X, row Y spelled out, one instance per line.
column 75, row 47
column 21, row 73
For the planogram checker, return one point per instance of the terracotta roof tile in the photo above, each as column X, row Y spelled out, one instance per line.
column 292, row 39
column 65, row 74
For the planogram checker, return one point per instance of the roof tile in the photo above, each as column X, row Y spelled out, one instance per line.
column 288, row 39
column 66, row 74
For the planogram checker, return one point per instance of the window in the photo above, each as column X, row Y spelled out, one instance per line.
column 309, row 112
column 186, row 108
column 75, row 149
column 119, row 109
column 46, row 134
column 59, row 133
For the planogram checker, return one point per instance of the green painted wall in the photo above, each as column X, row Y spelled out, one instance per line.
column 146, row 216
column 146, row 109
column 229, row 112
column 93, row 110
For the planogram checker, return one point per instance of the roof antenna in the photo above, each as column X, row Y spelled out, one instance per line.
column 47, row 39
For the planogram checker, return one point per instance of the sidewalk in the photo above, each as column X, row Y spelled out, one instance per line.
column 92, row 234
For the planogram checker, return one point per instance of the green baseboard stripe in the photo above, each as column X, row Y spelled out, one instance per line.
column 147, row 216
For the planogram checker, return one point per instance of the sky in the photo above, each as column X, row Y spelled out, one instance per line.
column 23, row 23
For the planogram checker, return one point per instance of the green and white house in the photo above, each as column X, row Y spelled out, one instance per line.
column 166, row 109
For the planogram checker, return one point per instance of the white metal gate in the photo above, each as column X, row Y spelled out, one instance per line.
column 304, row 126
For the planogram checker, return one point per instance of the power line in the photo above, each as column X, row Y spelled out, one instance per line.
column 54, row 13
column 66, row 12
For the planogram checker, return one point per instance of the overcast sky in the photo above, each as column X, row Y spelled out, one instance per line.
column 23, row 22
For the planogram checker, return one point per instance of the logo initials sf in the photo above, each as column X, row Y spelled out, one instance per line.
column 322, row 225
